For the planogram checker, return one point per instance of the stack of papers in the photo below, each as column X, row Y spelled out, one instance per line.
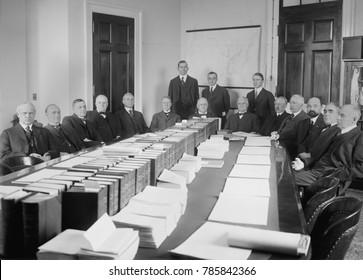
column 258, row 141
column 186, row 170
column 249, row 150
column 254, row 159
column 240, row 187
column 105, row 241
column 250, row 171
column 41, row 174
column 171, row 180
column 240, row 210
column 213, row 148
column 195, row 161
column 210, row 242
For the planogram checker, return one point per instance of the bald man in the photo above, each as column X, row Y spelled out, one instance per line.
column 26, row 139
column 104, row 122
column 64, row 138
column 243, row 120
column 202, row 110
column 345, row 153
column 132, row 121
column 288, row 131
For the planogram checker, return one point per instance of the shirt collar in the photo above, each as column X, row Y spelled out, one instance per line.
column 200, row 113
column 128, row 109
column 213, row 87
column 54, row 124
column 183, row 76
column 295, row 114
column 25, row 126
column 347, row 129
column 258, row 90
column 166, row 112
column 314, row 119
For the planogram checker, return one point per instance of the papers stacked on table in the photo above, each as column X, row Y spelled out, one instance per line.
column 249, row 150
column 240, row 187
column 258, row 142
column 213, row 148
column 250, row 171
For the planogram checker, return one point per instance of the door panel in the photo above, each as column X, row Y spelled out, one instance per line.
column 113, row 58
column 310, row 51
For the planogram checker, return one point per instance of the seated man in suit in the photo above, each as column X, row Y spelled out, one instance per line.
column 288, row 131
column 243, row 121
column 25, row 138
column 261, row 101
column 202, row 110
column 309, row 129
column 273, row 122
column 323, row 141
column 345, row 154
column 132, row 121
column 165, row 118
column 104, row 122
column 218, row 98
column 84, row 129
column 64, row 138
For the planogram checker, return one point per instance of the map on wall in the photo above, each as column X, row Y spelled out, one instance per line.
column 233, row 53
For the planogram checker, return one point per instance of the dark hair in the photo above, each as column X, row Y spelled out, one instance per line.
column 259, row 74
column 213, row 73
column 182, row 61
column 77, row 101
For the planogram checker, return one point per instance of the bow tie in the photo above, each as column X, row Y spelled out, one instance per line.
column 102, row 113
column 57, row 126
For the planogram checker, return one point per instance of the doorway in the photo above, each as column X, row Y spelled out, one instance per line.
column 310, row 50
column 113, row 57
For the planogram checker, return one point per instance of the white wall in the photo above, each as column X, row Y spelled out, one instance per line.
column 13, row 80
column 204, row 14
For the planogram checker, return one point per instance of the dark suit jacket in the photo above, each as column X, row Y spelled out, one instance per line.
column 321, row 145
column 57, row 140
column 306, row 136
column 248, row 123
column 108, row 128
column 161, row 121
column 218, row 101
column 83, row 130
column 263, row 106
column 346, row 155
column 13, row 142
column 187, row 108
column 126, row 125
column 272, row 123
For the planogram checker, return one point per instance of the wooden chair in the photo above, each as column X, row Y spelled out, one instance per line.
column 316, row 196
column 335, row 228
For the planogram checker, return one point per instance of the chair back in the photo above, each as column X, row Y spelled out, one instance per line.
column 5, row 169
column 20, row 162
column 335, row 228
column 316, row 196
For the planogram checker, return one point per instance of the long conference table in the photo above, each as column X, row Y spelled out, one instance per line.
column 285, row 212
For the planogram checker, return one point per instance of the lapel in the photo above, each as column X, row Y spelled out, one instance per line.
column 188, row 83
column 214, row 94
column 53, row 131
column 260, row 96
column 21, row 133
column 319, row 122
column 79, row 121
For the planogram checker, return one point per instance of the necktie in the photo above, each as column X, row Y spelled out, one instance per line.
column 211, row 90
column 103, row 114
column 83, row 120
column 255, row 93
column 30, row 137
column 182, row 80
column 131, row 112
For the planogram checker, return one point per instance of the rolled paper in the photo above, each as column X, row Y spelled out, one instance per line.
column 269, row 240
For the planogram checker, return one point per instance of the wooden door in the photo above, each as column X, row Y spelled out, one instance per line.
column 113, row 58
column 310, row 51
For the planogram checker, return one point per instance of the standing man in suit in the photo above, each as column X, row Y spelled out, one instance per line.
column 273, row 122
column 165, row 118
column 132, row 121
column 261, row 101
column 105, row 122
column 84, row 129
column 310, row 129
column 288, row 131
column 183, row 92
column 218, row 98
column 243, row 120
column 26, row 139
column 324, row 140
column 345, row 154
column 64, row 138
column 202, row 110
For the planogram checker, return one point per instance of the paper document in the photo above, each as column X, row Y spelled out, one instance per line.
column 44, row 173
column 248, row 150
column 268, row 240
column 250, row 171
column 240, row 210
column 73, row 161
column 246, row 186
column 258, row 141
column 254, row 159
column 210, row 242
